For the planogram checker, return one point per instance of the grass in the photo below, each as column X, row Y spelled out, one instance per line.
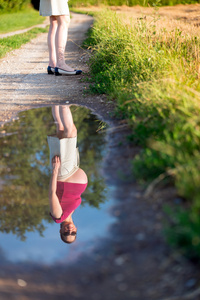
column 84, row 3
column 150, row 67
column 14, row 42
column 19, row 20
column 85, row 11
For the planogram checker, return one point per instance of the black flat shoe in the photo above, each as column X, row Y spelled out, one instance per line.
column 59, row 71
column 50, row 70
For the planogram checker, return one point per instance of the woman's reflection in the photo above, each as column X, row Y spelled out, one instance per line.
column 68, row 181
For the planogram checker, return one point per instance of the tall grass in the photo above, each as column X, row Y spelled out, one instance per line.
column 12, row 5
column 152, row 72
column 84, row 3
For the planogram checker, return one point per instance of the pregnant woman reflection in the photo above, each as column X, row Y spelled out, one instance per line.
column 68, row 181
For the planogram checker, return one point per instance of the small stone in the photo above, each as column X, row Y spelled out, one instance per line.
column 119, row 277
column 117, row 213
column 97, row 257
column 191, row 283
column 119, row 261
column 96, row 296
column 140, row 236
column 21, row 282
column 85, row 280
column 138, row 195
column 122, row 287
column 178, row 201
column 134, row 293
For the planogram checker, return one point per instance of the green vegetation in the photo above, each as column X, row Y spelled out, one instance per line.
column 16, row 5
column 19, row 20
column 25, row 172
column 85, row 3
column 15, row 21
column 153, row 75
column 13, row 5
column 15, row 41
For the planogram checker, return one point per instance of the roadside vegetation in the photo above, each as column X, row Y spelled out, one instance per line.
column 16, row 41
column 152, row 72
column 19, row 20
column 16, row 17
column 85, row 3
column 13, row 5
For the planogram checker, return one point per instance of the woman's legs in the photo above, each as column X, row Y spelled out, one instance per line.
column 51, row 41
column 60, row 42
column 57, row 119
column 67, row 121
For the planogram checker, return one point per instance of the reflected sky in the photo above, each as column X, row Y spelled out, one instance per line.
column 92, row 224
column 25, row 140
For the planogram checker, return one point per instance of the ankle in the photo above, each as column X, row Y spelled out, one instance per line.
column 60, row 65
column 64, row 67
column 52, row 64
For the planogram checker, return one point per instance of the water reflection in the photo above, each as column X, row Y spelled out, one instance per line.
column 68, row 181
column 25, row 171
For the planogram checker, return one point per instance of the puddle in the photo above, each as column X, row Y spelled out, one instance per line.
column 27, row 232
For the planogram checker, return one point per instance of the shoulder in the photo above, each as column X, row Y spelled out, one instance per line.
column 78, row 177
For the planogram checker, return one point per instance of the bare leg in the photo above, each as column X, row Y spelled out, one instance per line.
column 60, row 42
column 51, row 41
column 67, row 121
column 57, row 119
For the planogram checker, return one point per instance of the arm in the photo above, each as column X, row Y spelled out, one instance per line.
column 55, row 207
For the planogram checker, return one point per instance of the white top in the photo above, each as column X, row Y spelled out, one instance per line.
column 54, row 7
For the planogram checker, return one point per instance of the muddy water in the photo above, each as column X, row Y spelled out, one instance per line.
column 27, row 232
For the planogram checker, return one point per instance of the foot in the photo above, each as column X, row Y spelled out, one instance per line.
column 50, row 70
column 65, row 67
column 59, row 71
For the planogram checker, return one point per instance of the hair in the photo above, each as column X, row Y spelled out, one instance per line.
column 63, row 238
column 65, row 241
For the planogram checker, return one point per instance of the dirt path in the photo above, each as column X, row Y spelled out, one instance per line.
column 135, row 262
